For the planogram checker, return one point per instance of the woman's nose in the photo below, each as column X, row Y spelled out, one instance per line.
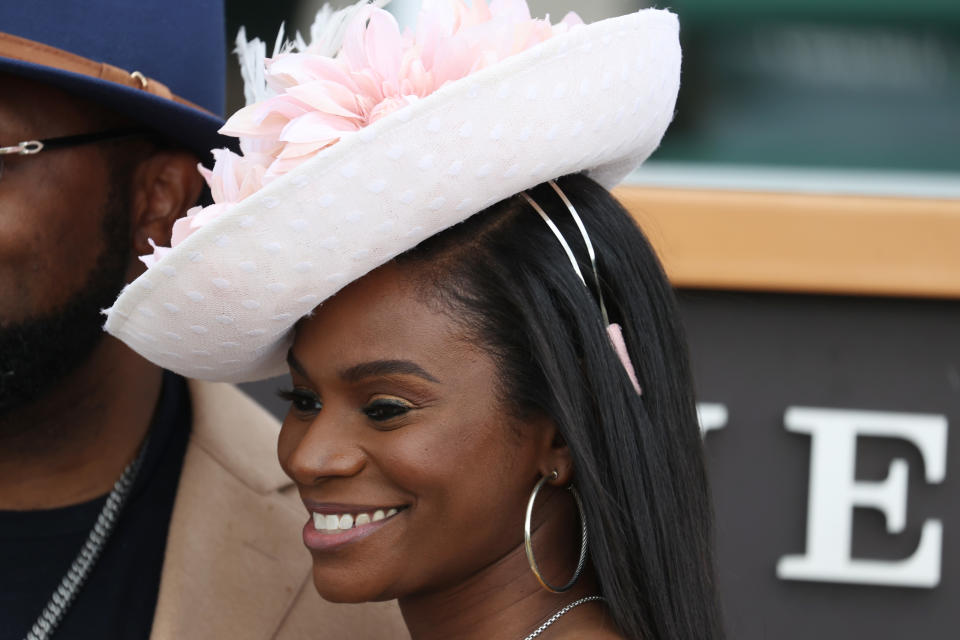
column 325, row 452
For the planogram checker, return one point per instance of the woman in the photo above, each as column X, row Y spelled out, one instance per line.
column 491, row 418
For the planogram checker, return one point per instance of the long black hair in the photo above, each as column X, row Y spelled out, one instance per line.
column 638, row 461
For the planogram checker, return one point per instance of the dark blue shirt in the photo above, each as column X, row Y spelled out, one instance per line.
column 119, row 598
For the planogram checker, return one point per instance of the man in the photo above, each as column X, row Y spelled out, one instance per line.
column 133, row 504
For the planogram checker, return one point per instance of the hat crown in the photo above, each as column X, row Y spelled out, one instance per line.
column 180, row 43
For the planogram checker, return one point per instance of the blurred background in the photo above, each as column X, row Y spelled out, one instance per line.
column 815, row 83
column 806, row 203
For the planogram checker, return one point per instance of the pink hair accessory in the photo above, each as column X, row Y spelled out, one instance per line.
column 616, row 338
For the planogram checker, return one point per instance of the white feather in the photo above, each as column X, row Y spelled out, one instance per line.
column 280, row 45
column 326, row 38
column 252, row 56
column 298, row 42
column 330, row 27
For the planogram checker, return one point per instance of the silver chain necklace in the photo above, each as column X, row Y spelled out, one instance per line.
column 556, row 616
column 71, row 583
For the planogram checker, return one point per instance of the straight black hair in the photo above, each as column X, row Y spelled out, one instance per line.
column 638, row 459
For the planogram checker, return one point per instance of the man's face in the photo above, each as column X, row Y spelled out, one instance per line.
column 64, row 239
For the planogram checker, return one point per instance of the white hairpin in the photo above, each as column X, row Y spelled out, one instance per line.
column 614, row 330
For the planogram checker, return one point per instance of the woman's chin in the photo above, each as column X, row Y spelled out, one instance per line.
column 345, row 591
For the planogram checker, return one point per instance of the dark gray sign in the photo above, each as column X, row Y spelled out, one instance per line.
column 833, row 391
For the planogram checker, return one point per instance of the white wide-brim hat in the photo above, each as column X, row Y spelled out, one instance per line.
column 221, row 305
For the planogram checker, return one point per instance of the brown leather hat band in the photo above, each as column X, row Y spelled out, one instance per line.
column 38, row 53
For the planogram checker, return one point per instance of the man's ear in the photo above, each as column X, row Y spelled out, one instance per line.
column 554, row 454
column 165, row 185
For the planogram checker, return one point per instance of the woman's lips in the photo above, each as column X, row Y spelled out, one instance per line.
column 327, row 528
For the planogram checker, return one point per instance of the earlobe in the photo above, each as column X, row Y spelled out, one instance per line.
column 564, row 469
column 165, row 185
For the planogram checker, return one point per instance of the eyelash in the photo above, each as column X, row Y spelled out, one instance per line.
column 375, row 410
column 298, row 398
column 307, row 402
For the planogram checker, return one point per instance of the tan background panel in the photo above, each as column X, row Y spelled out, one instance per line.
column 802, row 242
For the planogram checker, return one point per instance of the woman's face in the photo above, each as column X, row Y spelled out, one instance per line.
column 415, row 475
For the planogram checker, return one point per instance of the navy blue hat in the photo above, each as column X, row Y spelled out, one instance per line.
column 160, row 62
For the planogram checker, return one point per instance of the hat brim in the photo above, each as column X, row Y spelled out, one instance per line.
column 191, row 128
column 222, row 304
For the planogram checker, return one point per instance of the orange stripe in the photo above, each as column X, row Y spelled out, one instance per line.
column 801, row 242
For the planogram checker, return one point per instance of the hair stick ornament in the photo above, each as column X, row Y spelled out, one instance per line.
column 614, row 330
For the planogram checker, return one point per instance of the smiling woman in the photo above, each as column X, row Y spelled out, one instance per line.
column 432, row 394
column 491, row 417
column 367, row 436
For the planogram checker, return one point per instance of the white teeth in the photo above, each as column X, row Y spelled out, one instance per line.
column 333, row 523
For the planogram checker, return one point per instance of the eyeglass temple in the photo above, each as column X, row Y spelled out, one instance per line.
column 30, row 147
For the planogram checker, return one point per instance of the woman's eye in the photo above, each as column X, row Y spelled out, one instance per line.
column 382, row 410
column 301, row 400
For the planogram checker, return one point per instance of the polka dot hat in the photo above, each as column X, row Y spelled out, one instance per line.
column 346, row 184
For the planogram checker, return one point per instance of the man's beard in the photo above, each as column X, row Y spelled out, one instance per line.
column 37, row 353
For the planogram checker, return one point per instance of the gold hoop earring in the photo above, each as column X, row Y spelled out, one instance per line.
column 528, row 545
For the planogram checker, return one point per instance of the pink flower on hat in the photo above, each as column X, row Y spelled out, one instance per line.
column 318, row 99
column 233, row 178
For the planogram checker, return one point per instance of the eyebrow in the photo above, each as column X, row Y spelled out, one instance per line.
column 369, row 369
column 294, row 364
column 385, row 368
